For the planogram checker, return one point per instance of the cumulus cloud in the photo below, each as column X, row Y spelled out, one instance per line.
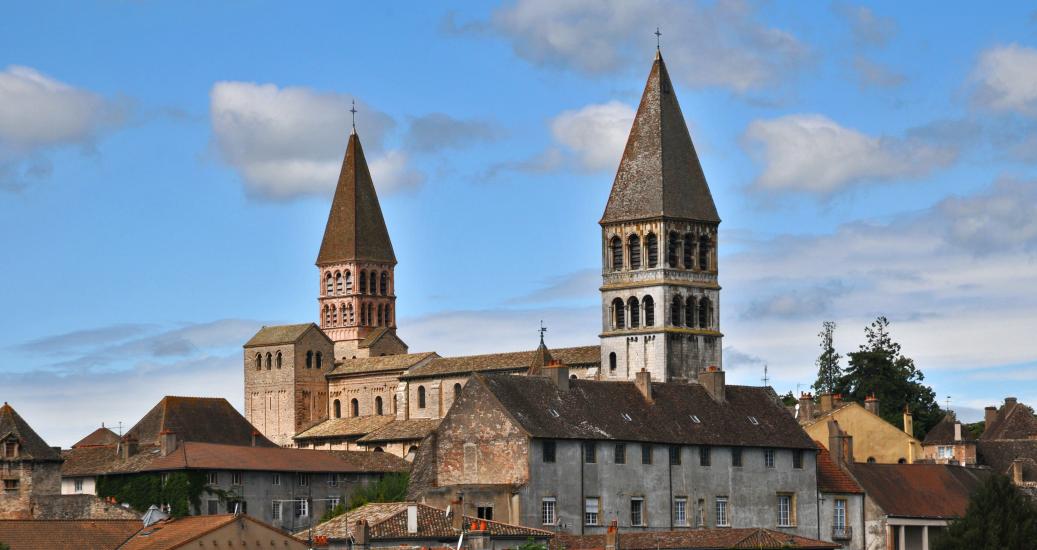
column 288, row 142
column 579, row 286
column 872, row 74
column 813, row 153
column 438, row 131
column 39, row 113
column 722, row 44
column 1006, row 79
column 867, row 27
column 596, row 134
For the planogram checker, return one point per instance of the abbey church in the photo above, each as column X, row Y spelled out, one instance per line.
column 349, row 381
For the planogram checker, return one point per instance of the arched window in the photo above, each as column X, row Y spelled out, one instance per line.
column 689, row 312
column 672, row 252
column 320, row 359
column 388, row 316
column 259, row 361
column 373, row 283
column 634, row 251
column 705, row 312
column 652, row 244
column 676, row 305
column 395, row 403
column 269, row 361
column 648, row 304
column 278, row 360
column 616, row 247
column 338, row 409
column 363, row 282
column 421, row 397
column 378, row 405
column 370, row 313
column 342, row 309
column 328, row 284
column 309, row 359
column 384, row 287
column 689, row 251
column 327, row 316
column 612, row 360
column 379, row 323
column 635, row 312
column 457, row 391
column 349, row 311
column 704, row 250
column 354, row 408
column 338, row 282
column 334, row 316
column 363, row 314
column 618, row 313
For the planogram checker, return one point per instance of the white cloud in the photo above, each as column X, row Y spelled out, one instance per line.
column 438, row 131
column 1006, row 79
column 867, row 27
column 813, row 153
column 595, row 133
column 870, row 73
column 38, row 113
column 720, row 44
column 288, row 142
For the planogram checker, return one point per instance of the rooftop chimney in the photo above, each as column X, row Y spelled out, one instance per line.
column 255, row 436
column 412, row 518
column 361, row 535
column 871, row 403
column 840, row 445
column 1010, row 402
column 643, row 383
column 957, row 431
column 479, row 535
column 826, row 402
column 612, row 537
column 457, row 513
column 713, row 380
column 167, row 442
column 127, row 447
column 909, row 425
column 806, row 407
column 558, row 373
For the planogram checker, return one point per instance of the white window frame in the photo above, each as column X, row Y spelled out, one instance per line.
column 786, row 512
column 640, row 512
column 301, row 508
column 680, row 511
column 275, row 479
column 591, row 511
column 549, row 511
column 237, row 478
column 722, row 512
column 77, row 485
column 214, row 478
column 839, row 519
column 304, row 480
column 768, row 458
column 276, row 511
column 945, row 451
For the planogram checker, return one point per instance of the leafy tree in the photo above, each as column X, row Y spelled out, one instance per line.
column 789, row 400
column 828, row 369
column 879, row 368
column 333, row 512
column 531, row 544
column 975, row 429
column 390, row 488
column 4, row 546
column 999, row 516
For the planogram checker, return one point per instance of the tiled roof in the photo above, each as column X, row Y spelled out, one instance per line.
column 209, row 456
column 355, row 229
column 943, row 432
column 361, row 365
column 177, row 533
column 659, row 173
column 100, row 436
column 616, row 410
column 388, row 521
column 694, row 539
column 1013, row 421
column 1000, row 455
column 104, row 534
column 31, row 445
column 830, row 477
column 89, row 461
column 353, row 426
column 279, row 334
column 919, row 490
column 205, row 419
column 69, row 507
column 582, row 356
column 413, row 429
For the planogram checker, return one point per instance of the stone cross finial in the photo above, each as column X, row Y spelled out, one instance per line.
column 353, row 111
column 658, row 36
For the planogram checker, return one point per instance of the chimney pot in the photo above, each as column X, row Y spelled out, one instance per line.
column 713, row 381
column 806, row 407
column 825, row 402
column 643, row 383
column 989, row 415
column 908, row 422
column 412, row 518
column 612, row 536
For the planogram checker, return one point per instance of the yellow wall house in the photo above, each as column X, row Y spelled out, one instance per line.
column 874, row 439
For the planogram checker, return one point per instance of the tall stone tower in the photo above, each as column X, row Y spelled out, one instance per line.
column 660, row 300
column 357, row 297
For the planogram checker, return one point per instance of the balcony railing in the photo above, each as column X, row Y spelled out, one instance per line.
column 842, row 533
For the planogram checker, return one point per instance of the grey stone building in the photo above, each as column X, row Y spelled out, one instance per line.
column 573, row 455
column 29, row 468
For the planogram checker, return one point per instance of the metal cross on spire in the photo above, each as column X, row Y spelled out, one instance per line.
column 543, row 329
column 658, row 37
column 353, row 111
column 766, row 380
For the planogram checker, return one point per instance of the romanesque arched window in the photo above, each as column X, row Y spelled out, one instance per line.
column 309, row 359
column 704, row 252
column 379, row 318
column 612, row 360
column 689, row 312
column 363, row 282
column 618, row 313
column 676, row 305
column 363, row 314
column 635, row 312
column 349, row 281
column 370, row 313
column 328, row 283
column 395, row 403
column 278, row 360
column 616, row 247
column 705, row 312
column 320, row 360
column 648, row 305
column 672, row 249
column 349, row 311
column 457, row 391
column 259, row 361
column 372, row 283
column 634, row 251
column 378, row 405
column 269, row 361
column 338, row 282
column 388, row 315
column 334, row 316
column 689, row 251
column 327, row 316
column 338, row 409
column 354, row 408
column 652, row 244
column 421, row 397
column 343, row 314
column 384, row 286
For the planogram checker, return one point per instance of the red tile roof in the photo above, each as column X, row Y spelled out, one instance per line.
column 210, row 456
column 100, row 436
column 71, row 534
column 695, row 539
column 207, row 419
column 919, row 490
column 388, row 521
column 177, row 533
column 830, row 477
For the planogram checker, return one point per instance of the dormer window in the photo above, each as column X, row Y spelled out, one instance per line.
column 10, row 449
column 553, row 412
column 753, row 420
column 627, row 417
column 695, row 419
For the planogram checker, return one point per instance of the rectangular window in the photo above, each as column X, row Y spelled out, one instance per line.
column 768, row 458
column 276, row 515
column 591, row 507
column 237, row 478
column 547, row 451
column 304, row 479
column 680, row 511
column 10, row 484
column 786, row 510
column 212, row 507
column 797, row 459
column 590, row 452
column 237, row 506
column 700, row 513
column 839, row 521
column 275, row 479
column 944, row 452
column 484, row 512
column 77, row 485
column 646, row 453
column 302, row 508
column 333, row 502
column 621, row 453
column 637, row 511
column 548, row 511
column 721, row 512
column 214, row 478
column 736, row 457
column 675, row 455
column 705, row 456
column 11, row 449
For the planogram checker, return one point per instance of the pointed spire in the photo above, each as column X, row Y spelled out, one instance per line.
column 541, row 359
column 355, row 229
column 659, row 174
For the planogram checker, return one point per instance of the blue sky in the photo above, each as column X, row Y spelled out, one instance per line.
column 166, row 169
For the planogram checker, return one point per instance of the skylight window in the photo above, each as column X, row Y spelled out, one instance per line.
column 694, row 419
column 753, row 420
column 553, row 412
column 627, row 417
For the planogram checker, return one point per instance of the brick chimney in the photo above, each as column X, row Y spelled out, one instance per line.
column 127, row 447
column 840, row 444
column 412, row 519
column 837, row 400
column 1010, row 402
column 909, row 424
column 255, row 436
column 361, row 535
column 825, row 402
column 558, row 373
column 612, row 537
column 989, row 416
column 643, row 383
column 806, row 407
column 479, row 536
column 957, row 431
column 457, row 513
column 167, row 442
column 713, row 380
column 871, row 403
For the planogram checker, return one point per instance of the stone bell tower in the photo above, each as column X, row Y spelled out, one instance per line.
column 660, row 300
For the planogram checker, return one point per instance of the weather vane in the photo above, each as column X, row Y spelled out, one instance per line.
column 353, row 110
column 658, row 36
column 766, row 380
column 543, row 329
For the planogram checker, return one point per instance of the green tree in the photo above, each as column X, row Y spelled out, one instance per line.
column 789, row 400
column 4, row 546
column 828, row 369
column 390, row 488
column 879, row 368
column 531, row 544
column 998, row 517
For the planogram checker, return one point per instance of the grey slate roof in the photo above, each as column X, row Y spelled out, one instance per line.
column 943, row 433
column 600, row 410
column 1014, row 420
column 356, row 229
column 659, row 174
column 582, row 356
column 202, row 419
column 32, row 446
column 279, row 334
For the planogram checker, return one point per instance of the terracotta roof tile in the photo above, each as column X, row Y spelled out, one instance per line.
column 694, row 539
column 919, row 490
column 177, row 533
column 413, row 429
column 1000, row 455
column 388, row 521
column 354, row 426
column 32, row 446
column 100, row 436
column 943, row 432
column 363, row 365
column 1013, row 421
column 583, row 356
column 89, row 461
column 830, row 477
column 105, row 534
column 279, row 334
column 204, row 419
column 209, row 456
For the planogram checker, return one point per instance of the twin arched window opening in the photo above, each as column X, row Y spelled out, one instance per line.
column 694, row 314
column 630, row 313
column 694, row 248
